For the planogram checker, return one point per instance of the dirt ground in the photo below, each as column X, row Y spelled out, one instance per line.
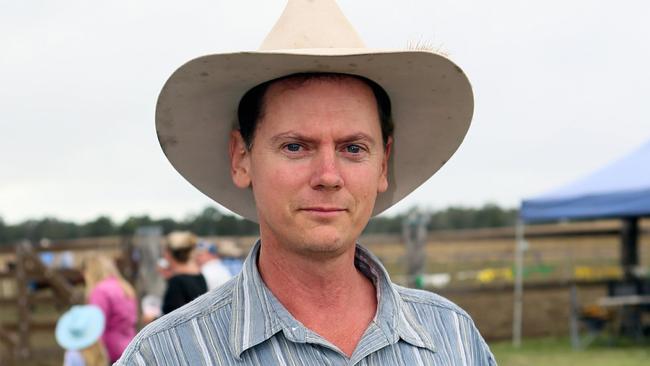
column 545, row 311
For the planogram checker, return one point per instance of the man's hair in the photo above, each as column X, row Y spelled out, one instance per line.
column 181, row 255
column 251, row 105
column 180, row 245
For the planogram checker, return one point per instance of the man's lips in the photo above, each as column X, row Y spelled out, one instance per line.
column 323, row 209
column 323, row 212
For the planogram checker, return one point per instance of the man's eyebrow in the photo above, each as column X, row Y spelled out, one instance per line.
column 293, row 135
column 359, row 136
column 290, row 135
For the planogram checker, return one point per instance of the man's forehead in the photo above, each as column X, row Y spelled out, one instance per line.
column 342, row 81
column 288, row 98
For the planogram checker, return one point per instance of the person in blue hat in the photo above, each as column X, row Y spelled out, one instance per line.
column 212, row 268
column 78, row 331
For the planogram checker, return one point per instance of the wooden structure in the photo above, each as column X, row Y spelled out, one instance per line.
column 28, row 269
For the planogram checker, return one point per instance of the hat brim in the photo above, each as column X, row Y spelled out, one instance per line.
column 92, row 317
column 432, row 105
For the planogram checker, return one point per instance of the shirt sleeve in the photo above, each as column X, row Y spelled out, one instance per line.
column 485, row 354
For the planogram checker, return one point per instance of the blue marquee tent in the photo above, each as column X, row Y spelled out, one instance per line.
column 618, row 190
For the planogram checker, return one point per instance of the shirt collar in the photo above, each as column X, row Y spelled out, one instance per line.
column 394, row 317
column 257, row 315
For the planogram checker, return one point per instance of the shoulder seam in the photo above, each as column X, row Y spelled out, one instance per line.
column 142, row 336
column 435, row 303
column 214, row 307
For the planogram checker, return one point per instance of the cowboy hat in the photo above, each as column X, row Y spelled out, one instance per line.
column 180, row 240
column 80, row 327
column 431, row 100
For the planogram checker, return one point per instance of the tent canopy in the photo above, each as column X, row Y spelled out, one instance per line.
column 620, row 189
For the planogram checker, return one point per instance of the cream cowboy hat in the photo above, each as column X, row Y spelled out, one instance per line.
column 431, row 100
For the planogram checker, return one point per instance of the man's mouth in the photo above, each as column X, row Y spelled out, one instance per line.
column 323, row 211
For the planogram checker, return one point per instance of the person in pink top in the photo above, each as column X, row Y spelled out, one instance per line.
column 107, row 289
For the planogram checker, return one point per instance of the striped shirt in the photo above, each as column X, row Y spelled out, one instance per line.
column 242, row 323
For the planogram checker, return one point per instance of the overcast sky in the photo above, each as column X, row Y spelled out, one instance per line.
column 561, row 88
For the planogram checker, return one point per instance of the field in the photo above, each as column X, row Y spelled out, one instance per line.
column 558, row 352
column 533, row 352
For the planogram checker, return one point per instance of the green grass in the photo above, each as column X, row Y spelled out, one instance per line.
column 558, row 352
column 534, row 352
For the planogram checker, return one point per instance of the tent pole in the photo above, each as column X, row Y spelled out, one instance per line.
column 519, row 283
column 629, row 246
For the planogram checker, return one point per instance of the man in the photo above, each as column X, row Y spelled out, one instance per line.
column 212, row 268
column 312, row 157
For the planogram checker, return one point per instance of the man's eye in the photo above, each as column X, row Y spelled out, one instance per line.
column 353, row 149
column 293, row 147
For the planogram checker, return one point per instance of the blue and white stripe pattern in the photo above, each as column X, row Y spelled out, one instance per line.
column 242, row 323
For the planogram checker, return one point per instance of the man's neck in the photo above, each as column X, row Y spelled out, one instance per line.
column 329, row 295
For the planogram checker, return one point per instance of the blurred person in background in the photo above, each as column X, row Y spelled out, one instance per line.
column 185, row 282
column 231, row 256
column 151, row 304
column 78, row 331
column 212, row 268
column 108, row 290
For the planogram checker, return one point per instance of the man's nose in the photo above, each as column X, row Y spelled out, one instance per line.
column 326, row 174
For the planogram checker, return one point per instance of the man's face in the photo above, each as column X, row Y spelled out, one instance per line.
column 316, row 164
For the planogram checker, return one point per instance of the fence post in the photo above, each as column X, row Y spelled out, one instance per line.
column 574, row 329
column 22, row 350
column 519, row 284
column 414, row 230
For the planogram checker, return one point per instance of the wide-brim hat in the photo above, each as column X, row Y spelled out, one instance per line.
column 180, row 240
column 80, row 327
column 228, row 248
column 431, row 98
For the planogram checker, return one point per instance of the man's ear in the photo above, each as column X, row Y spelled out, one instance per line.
column 383, row 178
column 239, row 160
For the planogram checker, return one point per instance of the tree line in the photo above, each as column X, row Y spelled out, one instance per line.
column 210, row 221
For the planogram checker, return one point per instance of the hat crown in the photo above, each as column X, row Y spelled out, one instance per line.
column 312, row 24
column 79, row 324
column 181, row 240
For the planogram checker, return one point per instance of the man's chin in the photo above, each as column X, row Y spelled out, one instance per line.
column 323, row 251
column 325, row 243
